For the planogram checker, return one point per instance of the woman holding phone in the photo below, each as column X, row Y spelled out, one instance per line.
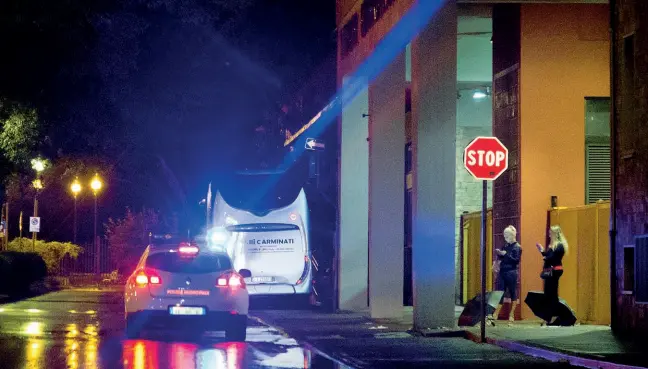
column 552, row 269
column 508, row 259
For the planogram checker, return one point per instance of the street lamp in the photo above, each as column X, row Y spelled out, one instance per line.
column 96, row 186
column 76, row 188
column 38, row 165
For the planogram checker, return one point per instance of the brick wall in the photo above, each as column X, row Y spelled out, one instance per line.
column 631, row 152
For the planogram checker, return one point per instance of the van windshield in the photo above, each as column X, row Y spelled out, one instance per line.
column 261, row 192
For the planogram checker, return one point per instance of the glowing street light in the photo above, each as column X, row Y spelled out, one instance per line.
column 38, row 165
column 75, row 187
column 96, row 184
column 38, row 184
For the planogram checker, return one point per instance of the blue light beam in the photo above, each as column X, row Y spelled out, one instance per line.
column 394, row 42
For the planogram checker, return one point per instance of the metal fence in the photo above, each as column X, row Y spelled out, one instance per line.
column 88, row 261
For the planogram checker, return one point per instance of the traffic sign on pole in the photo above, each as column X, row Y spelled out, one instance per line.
column 314, row 144
column 485, row 158
column 34, row 224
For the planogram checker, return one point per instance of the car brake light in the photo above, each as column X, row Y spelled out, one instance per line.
column 235, row 281
column 231, row 280
column 143, row 279
column 188, row 249
column 154, row 279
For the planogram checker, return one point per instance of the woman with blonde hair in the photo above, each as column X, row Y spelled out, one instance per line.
column 506, row 267
column 552, row 269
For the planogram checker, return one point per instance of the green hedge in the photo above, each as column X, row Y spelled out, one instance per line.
column 19, row 270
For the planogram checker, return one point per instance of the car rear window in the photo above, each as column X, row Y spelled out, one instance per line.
column 202, row 263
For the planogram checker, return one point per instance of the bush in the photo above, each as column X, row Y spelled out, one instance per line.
column 19, row 270
column 51, row 252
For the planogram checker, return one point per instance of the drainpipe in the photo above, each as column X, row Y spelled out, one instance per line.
column 613, row 160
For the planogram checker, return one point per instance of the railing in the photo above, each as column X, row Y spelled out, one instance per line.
column 585, row 284
column 85, row 262
column 471, row 254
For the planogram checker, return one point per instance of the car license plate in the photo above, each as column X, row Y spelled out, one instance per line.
column 262, row 279
column 186, row 310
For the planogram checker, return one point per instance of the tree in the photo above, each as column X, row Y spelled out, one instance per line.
column 19, row 134
column 51, row 252
column 129, row 236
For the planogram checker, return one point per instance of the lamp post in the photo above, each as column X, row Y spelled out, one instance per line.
column 75, row 187
column 38, row 165
column 96, row 186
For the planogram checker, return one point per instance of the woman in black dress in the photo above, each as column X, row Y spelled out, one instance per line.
column 552, row 269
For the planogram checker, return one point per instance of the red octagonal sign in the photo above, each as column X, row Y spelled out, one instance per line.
column 486, row 158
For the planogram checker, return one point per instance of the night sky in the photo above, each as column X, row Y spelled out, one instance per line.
column 168, row 91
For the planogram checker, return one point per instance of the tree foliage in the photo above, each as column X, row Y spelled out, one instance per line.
column 129, row 236
column 52, row 252
column 19, row 134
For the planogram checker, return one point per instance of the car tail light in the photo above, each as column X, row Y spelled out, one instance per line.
column 145, row 278
column 230, row 280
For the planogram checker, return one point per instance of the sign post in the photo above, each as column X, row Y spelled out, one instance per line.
column 485, row 158
column 34, row 227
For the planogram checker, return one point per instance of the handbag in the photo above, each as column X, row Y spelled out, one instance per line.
column 546, row 273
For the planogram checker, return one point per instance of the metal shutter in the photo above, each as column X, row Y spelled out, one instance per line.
column 597, row 172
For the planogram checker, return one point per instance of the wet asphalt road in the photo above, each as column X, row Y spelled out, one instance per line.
column 85, row 329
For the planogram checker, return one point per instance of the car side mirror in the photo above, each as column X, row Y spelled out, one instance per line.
column 245, row 273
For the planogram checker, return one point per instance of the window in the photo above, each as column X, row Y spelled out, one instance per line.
column 597, row 150
column 628, row 269
column 349, row 35
column 641, row 269
column 202, row 263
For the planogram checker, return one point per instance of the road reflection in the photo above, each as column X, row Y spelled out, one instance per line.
column 75, row 330
column 79, row 346
column 147, row 354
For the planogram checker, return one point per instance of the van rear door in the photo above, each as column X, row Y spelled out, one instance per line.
column 275, row 253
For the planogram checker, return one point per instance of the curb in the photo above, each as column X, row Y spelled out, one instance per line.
column 441, row 333
column 305, row 344
column 550, row 355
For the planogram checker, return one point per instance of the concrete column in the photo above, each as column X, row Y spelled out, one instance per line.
column 386, row 191
column 354, row 189
column 434, row 99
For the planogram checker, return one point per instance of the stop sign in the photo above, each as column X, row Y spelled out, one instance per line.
column 486, row 158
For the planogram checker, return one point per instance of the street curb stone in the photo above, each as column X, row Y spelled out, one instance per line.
column 549, row 354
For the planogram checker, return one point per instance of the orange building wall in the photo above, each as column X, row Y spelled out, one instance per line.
column 564, row 58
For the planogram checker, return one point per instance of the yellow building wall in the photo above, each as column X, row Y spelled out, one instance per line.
column 564, row 58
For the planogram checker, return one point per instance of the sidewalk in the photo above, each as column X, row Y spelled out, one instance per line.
column 360, row 342
column 347, row 336
column 582, row 345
